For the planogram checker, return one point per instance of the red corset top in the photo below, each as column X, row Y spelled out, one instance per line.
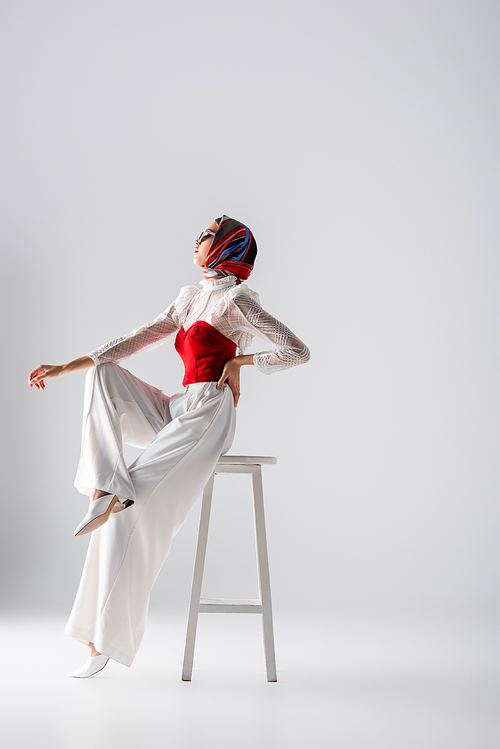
column 204, row 352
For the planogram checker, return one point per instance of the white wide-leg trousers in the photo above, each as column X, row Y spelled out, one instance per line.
column 183, row 436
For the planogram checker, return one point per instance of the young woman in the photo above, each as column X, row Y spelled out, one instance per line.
column 136, row 510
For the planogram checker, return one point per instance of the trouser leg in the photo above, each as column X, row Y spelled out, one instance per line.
column 126, row 554
column 118, row 408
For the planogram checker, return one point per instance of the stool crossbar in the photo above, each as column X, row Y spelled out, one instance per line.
column 231, row 464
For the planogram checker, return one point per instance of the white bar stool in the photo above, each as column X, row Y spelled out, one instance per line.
column 229, row 464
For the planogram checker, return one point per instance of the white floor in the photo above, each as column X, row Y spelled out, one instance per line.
column 346, row 683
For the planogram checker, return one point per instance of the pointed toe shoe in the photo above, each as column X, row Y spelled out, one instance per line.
column 94, row 664
column 99, row 512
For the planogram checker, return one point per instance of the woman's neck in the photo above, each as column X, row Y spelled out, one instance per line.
column 213, row 284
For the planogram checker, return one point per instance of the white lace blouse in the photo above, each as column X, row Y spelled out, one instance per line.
column 234, row 310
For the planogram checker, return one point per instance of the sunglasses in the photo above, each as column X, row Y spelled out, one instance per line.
column 205, row 234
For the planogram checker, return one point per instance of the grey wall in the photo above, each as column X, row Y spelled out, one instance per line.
column 359, row 141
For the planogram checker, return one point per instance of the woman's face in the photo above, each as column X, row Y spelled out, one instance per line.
column 202, row 248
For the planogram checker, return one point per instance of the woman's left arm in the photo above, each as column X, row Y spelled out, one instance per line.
column 246, row 314
column 289, row 350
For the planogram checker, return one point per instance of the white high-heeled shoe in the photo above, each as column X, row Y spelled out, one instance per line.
column 99, row 511
column 94, row 664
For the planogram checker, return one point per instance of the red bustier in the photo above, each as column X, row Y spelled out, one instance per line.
column 204, row 352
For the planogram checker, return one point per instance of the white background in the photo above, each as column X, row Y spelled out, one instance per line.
column 359, row 141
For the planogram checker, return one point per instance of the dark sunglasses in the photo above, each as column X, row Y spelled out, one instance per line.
column 205, row 234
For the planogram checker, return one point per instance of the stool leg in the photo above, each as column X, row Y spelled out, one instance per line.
column 194, row 606
column 263, row 565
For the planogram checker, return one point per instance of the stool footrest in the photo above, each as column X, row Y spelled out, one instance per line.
column 230, row 606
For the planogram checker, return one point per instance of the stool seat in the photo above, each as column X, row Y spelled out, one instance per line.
column 246, row 460
column 231, row 464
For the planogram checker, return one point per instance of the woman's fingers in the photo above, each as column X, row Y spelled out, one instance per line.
column 39, row 374
column 226, row 374
column 235, row 390
column 234, row 384
column 34, row 378
column 231, row 375
column 222, row 380
column 34, row 374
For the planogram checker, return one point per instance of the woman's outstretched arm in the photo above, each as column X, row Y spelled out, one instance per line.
column 142, row 338
column 41, row 373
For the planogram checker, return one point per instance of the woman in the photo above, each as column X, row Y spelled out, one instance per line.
column 136, row 510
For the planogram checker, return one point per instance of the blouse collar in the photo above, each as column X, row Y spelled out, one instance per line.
column 214, row 284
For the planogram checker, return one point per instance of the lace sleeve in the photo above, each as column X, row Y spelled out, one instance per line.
column 143, row 338
column 289, row 350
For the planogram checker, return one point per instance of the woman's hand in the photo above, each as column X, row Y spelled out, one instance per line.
column 44, row 371
column 231, row 374
column 39, row 374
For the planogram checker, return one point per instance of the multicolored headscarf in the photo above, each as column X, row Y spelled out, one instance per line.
column 233, row 251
